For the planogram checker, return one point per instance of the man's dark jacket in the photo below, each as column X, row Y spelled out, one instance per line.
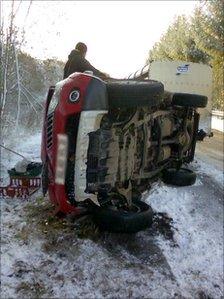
column 77, row 63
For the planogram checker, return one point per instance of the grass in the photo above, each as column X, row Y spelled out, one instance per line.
column 41, row 223
column 33, row 289
column 23, row 235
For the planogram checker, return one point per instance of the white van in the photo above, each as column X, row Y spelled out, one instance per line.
column 187, row 77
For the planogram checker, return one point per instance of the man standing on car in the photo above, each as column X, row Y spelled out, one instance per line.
column 77, row 63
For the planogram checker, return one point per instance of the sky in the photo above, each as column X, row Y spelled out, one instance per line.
column 119, row 34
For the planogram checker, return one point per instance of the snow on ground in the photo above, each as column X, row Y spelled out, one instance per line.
column 204, row 168
column 197, row 261
column 29, row 148
column 46, row 257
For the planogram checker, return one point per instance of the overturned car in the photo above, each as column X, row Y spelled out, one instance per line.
column 104, row 142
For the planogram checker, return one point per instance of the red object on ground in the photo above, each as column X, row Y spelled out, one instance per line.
column 20, row 187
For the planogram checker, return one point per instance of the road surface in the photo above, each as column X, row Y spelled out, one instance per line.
column 211, row 150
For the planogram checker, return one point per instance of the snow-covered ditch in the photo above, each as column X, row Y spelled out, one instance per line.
column 49, row 258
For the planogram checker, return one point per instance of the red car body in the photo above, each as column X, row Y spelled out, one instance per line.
column 63, row 110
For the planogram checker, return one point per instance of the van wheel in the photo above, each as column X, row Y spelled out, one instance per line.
column 124, row 221
column 181, row 177
column 189, row 100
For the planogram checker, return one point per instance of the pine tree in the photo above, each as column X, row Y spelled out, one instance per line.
column 200, row 39
column 208, row 31
column 177, row 44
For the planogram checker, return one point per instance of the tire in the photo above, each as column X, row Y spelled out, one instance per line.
column 132, row 94
column 189, row 100
column 120, row 221
column 181, row 177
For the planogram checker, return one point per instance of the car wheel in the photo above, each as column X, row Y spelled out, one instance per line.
column 122, row 221
column 132, row 94
column 189, row 100
column 181, row 177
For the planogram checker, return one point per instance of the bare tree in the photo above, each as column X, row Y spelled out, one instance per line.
column 24, row 79
column 11, row 85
